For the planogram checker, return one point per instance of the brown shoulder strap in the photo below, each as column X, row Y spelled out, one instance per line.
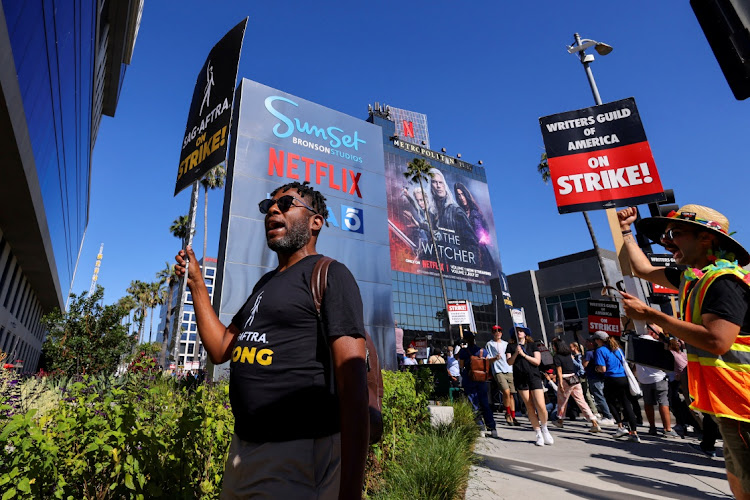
column 319, row 280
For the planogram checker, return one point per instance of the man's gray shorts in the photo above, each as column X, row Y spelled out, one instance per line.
column 299, row 469
column 656, row 393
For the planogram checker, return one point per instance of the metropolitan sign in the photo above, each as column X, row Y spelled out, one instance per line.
column 599, row 158
column 207, row 131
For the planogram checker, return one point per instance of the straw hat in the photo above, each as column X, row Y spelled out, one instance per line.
column 696, row 215
column 411, row 350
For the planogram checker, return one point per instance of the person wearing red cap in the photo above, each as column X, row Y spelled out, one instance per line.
column 502, row 372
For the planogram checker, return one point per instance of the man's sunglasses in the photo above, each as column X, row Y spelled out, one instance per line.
column 284, row 203
column 671, row 234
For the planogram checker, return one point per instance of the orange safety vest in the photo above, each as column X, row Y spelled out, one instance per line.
column 719, row 385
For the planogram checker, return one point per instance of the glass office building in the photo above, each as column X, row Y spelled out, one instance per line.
column 456, row 203
column 63, row 67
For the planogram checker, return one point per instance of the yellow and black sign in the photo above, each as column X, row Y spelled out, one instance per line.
column 205, row 143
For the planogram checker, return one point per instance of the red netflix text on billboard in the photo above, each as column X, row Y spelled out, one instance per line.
column 296, row 167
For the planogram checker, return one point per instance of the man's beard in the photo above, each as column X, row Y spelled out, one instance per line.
column 297, row 236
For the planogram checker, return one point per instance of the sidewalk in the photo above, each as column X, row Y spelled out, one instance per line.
column 583, row 465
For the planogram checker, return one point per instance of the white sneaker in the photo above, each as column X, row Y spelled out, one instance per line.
column 620, row 432
column 606, row 421
column 539, row 440
column 494, row 433
column 634, row 438
column 595, row 427
column 547, row 436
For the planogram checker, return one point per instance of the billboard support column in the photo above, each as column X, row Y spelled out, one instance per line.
column 614, row 224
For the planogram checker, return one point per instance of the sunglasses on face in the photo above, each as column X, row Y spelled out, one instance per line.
column 671, row 234
column 284, row 203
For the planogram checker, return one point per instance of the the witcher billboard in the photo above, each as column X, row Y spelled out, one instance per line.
column 456, row 208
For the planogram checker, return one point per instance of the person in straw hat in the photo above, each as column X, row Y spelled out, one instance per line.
column 714, row 297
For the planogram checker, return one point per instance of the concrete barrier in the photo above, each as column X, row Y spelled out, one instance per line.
column 440, row 415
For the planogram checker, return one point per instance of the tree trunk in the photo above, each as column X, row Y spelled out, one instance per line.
column 151, row 326
column 165, row 337
column 437, row 256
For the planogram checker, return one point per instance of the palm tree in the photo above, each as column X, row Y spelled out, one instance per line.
column 139, row 291
column 214, row 179
column 180, row 229
column 128, row 303
column 418, row 170
column 543, row 169
column 166, row 277
column 154, row 298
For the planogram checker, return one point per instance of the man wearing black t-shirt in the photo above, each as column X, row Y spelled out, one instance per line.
column 298, row 434
column 714, row 298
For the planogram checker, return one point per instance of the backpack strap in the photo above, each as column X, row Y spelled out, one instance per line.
column 319, row 281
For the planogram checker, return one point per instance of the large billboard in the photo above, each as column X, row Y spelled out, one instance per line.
column 278, row 138
column 456, row 207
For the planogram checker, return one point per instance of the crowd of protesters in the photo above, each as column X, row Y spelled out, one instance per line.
column 522, row 381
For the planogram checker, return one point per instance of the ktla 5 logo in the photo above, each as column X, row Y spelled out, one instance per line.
column 352, row 219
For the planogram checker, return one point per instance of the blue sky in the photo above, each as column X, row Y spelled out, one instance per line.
column 483, row 72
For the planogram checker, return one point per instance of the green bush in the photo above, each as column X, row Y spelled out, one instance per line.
column 141, row 437
column 148, row 436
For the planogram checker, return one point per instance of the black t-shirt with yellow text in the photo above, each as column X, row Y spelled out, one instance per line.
column 280, row 386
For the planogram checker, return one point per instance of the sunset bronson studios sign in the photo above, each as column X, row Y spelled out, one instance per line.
column 599, row 158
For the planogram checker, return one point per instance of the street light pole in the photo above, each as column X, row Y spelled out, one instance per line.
column 614, row 224
column 587, row 68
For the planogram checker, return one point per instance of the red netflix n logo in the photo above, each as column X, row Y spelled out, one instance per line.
column 408, row 128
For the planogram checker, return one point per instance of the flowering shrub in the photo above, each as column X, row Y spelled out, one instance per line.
column 143, row 363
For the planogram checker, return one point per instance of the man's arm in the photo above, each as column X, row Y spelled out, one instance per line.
column 715, row 335
column 350, row 369
column 217, row 339
column 639, row 263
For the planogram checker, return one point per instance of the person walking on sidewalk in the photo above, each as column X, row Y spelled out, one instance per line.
column 527, row 378
column 475, row 390
column 285, row 357
column 610, row 361
column 655, row 387
column 596, row 382
column 714, row 303
column 502, row 372
column 568, row 385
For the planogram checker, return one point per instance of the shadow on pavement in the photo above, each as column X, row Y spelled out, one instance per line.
column 533, row 472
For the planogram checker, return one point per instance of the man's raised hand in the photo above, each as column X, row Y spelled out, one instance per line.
column 194, row 270
column 626, row 217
